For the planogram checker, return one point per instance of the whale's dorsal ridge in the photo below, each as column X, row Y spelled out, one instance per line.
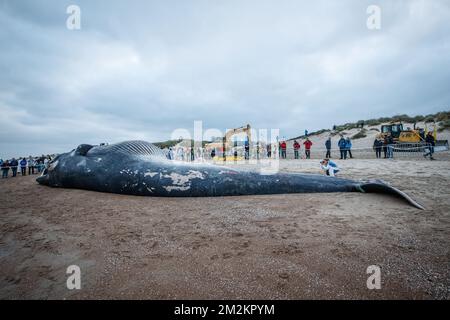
column 132, row 147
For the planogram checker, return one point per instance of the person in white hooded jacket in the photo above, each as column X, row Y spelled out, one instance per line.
column 329, row 167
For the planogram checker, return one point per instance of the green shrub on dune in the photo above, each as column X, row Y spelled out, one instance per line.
column 361, row 134
column 444, row 125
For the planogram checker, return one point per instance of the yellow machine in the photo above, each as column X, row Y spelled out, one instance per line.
column 232, row 132
column 227, row 143
column 409, row 136
column 400, row 135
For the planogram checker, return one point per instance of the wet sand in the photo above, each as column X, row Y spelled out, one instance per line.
column 297, row 246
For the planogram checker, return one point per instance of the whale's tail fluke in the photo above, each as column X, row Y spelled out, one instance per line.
column 379, row 186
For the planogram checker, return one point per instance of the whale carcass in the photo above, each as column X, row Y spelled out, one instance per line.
column 140, row 168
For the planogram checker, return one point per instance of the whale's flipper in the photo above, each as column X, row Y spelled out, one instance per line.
column 379, row 186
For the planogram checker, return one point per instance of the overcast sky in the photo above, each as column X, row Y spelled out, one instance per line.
column 140, row 69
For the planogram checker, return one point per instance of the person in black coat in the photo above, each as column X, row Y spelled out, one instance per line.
column 247, row 150
column 13, row 165
column 390, row 146
column 430, row 145
column 377, row 146
column 328, row 147
column 269, row 151
column 5, row 169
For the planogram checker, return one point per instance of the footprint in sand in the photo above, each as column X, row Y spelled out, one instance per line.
column 284, row 275
column 226, row 255
column 236, row 234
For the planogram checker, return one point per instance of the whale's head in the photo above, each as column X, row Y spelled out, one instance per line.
column 87, row 159
column 51, row 173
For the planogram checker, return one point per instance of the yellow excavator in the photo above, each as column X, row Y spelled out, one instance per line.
column 227, row 142
column 406, row 137
column 227, row 145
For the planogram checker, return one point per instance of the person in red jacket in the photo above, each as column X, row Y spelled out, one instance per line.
column 308, row 145
column 296, row 148
column 283, row 149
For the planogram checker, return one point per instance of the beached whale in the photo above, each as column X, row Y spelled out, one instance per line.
column 140, row 168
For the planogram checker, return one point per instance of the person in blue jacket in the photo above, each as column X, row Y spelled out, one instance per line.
column 23, row 166
column 348, row 147
column 342, row 148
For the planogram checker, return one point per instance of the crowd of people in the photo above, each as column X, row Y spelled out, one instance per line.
column 185, row 153
column 344, row 145
column 33, row 165
column 329, row 167
column 30, row 165
column 386, row 146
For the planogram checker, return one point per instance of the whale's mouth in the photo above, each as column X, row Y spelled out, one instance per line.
column 43, row 178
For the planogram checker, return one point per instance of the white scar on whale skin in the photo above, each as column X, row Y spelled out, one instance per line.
column 151, row 174
column 82, row 163
column 170, row 188
column 126, row 171
column 182, row 182
column 179, row 179
column 53, row 165
column 150, row 189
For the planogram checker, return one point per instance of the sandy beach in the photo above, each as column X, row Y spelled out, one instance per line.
column 297, row 246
